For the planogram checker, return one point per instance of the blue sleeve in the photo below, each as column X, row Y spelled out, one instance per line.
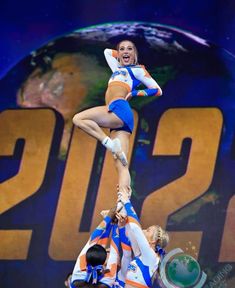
column 147, row 253
column 152, row 87
column 101, row 229
column 145, row 92
column 98, row 235
column 131, row 212
column 126, row 256
column 112, row 263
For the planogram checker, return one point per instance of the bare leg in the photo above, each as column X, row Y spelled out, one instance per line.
column 124, row 179
column 92, row 119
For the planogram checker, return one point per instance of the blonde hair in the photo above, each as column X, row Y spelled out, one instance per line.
column 161, row 236
column 135, row 49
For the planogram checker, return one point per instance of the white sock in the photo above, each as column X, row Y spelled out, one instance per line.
column 108, row 143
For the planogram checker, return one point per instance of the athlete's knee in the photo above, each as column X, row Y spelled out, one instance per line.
column 77, row 120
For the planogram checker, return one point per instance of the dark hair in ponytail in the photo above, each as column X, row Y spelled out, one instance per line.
column 96, row 255
column 95, row 258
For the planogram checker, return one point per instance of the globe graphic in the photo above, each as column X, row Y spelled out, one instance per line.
column 70, row 74
column 183, row 271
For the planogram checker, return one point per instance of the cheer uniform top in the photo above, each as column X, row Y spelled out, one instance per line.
column 130, row 77
column 100, row 236
column 143, row 266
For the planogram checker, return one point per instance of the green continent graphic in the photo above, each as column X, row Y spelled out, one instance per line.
column 183, row 271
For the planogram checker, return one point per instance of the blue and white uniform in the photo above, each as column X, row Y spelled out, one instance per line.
column 126, row 257
column 100, row 236
column 129, row 77
column 143, row 266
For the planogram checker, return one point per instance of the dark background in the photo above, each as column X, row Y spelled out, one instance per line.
column 27, row 25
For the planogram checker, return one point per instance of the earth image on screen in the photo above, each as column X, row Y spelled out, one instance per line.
column 183, row 271
column 70, row 74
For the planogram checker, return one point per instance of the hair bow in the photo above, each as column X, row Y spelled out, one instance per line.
column 160, row 251
column 93, row 271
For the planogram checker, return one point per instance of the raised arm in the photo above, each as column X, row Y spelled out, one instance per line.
column 98, row 236
column 109, row 278
column 111, row 58
column 126, row 256
column 133, row 225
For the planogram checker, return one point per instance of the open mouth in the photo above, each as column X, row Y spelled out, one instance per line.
column 126, row 58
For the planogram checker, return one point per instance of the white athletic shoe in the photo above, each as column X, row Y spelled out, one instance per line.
column 118, row 153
